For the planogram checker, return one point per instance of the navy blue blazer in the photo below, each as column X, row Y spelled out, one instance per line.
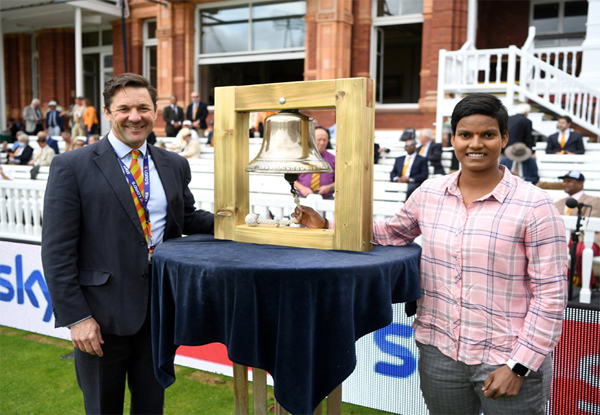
column 60, row 120
column 94, row 252
column 434, row 155
column 574, row 144
column 419, row 171
column 200, row 115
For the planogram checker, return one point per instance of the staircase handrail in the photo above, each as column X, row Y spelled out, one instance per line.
column 579, row 97
column 577, row 93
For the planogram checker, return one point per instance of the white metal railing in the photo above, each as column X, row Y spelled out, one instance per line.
column 21, row 206
column 513, row 71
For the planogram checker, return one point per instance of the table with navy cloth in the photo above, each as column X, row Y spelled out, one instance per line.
column 294, row 312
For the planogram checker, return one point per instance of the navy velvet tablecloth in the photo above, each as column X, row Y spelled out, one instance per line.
column 294, row 312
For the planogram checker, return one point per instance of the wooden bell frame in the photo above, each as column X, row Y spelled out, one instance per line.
column 353, row 100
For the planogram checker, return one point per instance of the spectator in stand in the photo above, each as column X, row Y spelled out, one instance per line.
column 411, row 169
column 34, row 120
column 54, row 120
column 173, row 116
column 90, row 119
column 197, row 112
column 493, row 274
column 46, row 154
column 565, row 141
column 320, row 183
column 23, row 151
column 573, row 183
column 431, row 150
column 378, row 151
column 191, row 147
column 14, row 126
column 210, row 131
column 94, row 138
column 188, row 124
column 66, row 136
column 79, row 142
column 76, row 114
column 519, row 159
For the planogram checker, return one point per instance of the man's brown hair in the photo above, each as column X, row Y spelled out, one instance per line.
column 126, row 80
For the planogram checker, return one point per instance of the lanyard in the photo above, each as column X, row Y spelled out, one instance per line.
column 136, row 189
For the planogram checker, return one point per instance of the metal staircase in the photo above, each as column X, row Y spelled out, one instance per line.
column 546, row 78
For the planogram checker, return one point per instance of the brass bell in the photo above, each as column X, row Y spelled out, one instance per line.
column 289, row 146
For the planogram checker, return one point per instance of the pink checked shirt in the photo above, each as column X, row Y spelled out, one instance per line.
column 493, row 274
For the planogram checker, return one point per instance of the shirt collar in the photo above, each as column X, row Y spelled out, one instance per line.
column 121, row 149
column 499, row 193
column 577, row 195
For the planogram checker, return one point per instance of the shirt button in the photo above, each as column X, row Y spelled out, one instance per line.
column 145, row 276
column 142, row 242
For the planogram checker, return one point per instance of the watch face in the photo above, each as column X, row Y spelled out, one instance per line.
column 520, row 370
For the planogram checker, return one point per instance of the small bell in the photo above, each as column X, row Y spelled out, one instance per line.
column 289, row 146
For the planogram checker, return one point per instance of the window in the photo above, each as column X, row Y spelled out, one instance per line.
column 96, row 37
column 559, row 23
column 396, row 50
column 398, row 7
column 250, row 43
column 150, row 52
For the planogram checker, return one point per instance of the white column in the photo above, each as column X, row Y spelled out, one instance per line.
column 472, row 23
column 590, row 65
column 3, row 108
column 78, row 55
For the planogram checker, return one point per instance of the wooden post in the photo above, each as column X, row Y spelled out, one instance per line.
column 240, row 389
column 353, row 100
column 259, row 391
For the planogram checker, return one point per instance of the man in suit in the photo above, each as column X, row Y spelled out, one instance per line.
column 573, row 183
column 431, row 150
column 519, row 131
column 34, row 120
column 54, row 120
column 23, row 152
column 46, row 154
column 565, row 141
column 98, row 261
column 173, row 116
column 197, row 112
column 411, row 169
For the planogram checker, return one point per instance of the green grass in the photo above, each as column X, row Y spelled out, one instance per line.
column 35, row 380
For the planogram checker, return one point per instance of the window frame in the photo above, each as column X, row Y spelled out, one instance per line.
column 378, row 22
column 560, row 34
column 147, row 44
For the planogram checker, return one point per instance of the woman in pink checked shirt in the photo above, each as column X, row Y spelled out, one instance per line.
column 493, row 274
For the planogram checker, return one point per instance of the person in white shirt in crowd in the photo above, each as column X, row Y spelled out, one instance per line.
column 191, row 147
column 46, row 154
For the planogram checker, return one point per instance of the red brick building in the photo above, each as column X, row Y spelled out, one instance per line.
column 187, row 45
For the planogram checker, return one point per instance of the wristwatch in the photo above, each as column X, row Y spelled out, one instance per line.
column 518, row 369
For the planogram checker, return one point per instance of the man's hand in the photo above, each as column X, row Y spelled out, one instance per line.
column 403, row 180
column 303, row 190
column 196, row 124
column 323, row 190
column 310, row 218
column 86, row 336
column 502, row 382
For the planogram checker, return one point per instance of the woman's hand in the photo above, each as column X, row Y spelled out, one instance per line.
column 309, row 217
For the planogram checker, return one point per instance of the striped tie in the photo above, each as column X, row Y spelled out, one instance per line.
column 136, row 172
column 405, row 167
column 315, row 182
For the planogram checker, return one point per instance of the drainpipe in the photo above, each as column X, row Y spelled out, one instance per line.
column 78, row 55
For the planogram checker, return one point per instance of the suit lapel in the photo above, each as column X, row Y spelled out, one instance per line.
column 109, row 166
